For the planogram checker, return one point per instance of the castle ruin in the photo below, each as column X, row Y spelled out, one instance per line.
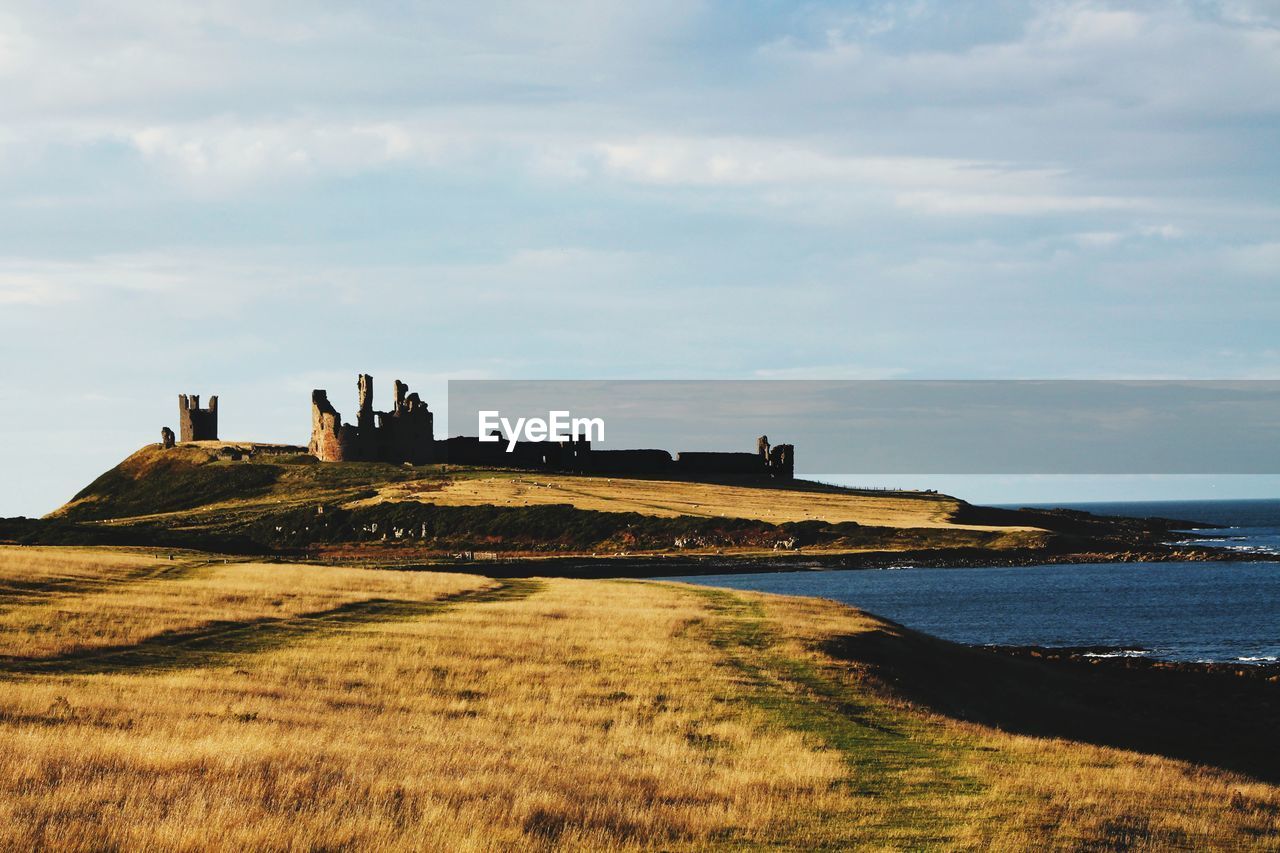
column 404, row 434
column 195, row 423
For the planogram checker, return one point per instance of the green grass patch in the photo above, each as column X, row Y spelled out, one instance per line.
column 894, row 759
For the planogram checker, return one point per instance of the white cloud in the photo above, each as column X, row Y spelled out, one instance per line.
column 1164, row 232
column 18, row 288
column 222, row 284
column 1161, row 59
column 1086, row 25
column 42, row 282
column 1098, row 239
column 227, row 155
column 929, row 185
column 1108, row 239
column 237, row 98
column 747, row 162
column 1006, row 204
column 1254, row 13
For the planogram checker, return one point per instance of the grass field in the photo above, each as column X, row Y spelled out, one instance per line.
column 189, row 592
column 670, row 498
column 192, row 703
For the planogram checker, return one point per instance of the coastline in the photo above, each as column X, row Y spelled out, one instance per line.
column 1211, row 714
column 657, row 566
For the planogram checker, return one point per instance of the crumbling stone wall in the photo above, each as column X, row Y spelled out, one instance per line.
column 715, row 462
column 574, row 454
column 773, row 461
column 782, row 462
column 195, row 423
column 166, row 438
column 778, row 461
column 406, row 433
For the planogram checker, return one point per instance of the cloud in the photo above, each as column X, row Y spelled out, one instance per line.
column 45, row 283
column 930, row 185
column 746, row 162
column 635, row 151
column 183, row 284
column 226, row 155
column 922, row 108
column 1076, row 58
column 1004, row 204
column 18, row 288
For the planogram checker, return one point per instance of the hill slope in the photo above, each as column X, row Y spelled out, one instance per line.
column 205, row 475
column 247, row 498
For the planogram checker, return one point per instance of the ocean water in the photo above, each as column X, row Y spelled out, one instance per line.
column 1253, row 525
column 1189, row 611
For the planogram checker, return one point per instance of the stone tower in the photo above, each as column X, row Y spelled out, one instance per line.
column 195, row 423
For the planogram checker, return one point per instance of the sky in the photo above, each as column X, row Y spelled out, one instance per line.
column 255, row 199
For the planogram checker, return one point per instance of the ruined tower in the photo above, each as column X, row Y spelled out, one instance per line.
column 195, row 423
column 326, row 430
column 364, row 418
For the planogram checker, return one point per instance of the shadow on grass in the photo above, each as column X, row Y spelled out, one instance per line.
column 1203, row 714
column 220, row 643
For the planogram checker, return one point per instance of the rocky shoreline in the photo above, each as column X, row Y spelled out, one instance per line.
column 678, row 565
column 1114, row 657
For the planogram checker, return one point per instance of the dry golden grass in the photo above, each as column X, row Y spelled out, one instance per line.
column 669, row 498
column 179, row 595
column 554, row 714
column 534, row 721
column 31, row 571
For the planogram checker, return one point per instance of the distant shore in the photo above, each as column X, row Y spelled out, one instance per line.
column 677, row 565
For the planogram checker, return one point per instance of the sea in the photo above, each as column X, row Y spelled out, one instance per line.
column 1225, row 612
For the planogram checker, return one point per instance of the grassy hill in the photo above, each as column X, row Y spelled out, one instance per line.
column 195, row 701
column 202, row 475
column 259, row 499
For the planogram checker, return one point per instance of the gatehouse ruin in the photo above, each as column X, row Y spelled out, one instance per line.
column 195, row 423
